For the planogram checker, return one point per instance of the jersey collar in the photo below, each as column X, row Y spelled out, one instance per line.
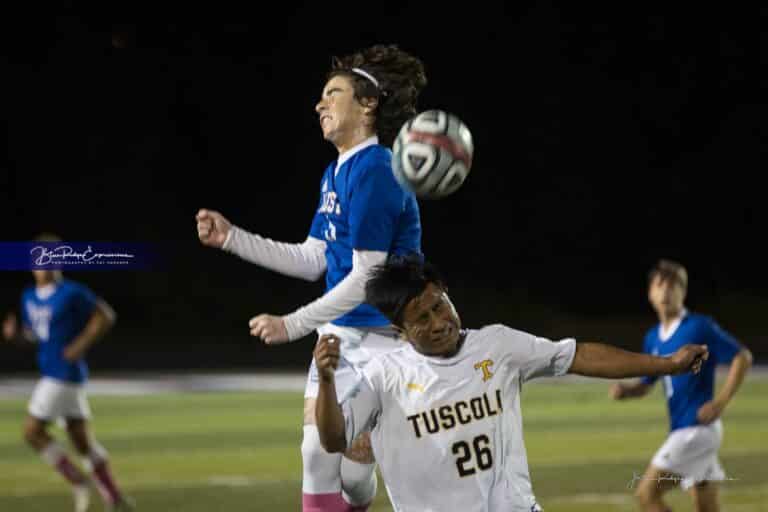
column 665, row 334
column 370, row 141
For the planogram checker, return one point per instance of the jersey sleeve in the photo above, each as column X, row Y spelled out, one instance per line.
column 85, row 301
column 361, row 405
column 722, row 345
column 318, row 221
column 648, row 349
column 539, row 357
column 375, row 207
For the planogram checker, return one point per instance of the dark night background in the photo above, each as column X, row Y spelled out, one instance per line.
column 605, row 139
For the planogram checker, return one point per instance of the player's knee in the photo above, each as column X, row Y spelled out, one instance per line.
column 32, row 433
column 645, row 495
column 79, row 436
column 312, row 452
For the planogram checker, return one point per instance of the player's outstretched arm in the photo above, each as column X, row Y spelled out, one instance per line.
column 102, row 319
column 328, row 415
column 304, row 261
column 600, row 360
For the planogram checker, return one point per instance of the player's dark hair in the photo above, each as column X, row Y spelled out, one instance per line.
column 392, row 285
column 401, row 78
column 669, row 271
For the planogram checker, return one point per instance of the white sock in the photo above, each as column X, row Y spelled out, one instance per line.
column 321, row 470
column 52, row 453
column 97, row 454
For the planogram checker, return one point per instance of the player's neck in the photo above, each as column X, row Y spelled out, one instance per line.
column 667, row 318
column 356, row 138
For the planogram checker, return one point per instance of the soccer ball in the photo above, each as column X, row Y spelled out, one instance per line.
column 432, row 154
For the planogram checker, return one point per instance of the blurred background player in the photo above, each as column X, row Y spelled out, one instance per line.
column 444, row 410
column 363, row 216
column 688, row 457
column 64, row 318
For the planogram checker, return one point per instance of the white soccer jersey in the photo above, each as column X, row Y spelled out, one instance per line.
column 447, row 432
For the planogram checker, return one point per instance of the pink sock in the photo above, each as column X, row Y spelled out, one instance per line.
column 56, row 457
column 107, row 482
column 329, row 502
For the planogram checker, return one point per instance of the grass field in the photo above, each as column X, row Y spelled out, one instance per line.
column 206, row 452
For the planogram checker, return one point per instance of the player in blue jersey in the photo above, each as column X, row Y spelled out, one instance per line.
column 689, row 455
column 64, row 318
column 363, row 217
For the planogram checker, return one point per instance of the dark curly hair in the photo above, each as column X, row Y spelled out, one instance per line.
column 401, row 78
column 392, row 285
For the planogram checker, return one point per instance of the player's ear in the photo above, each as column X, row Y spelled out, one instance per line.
column 369, row 105
column 400, row 332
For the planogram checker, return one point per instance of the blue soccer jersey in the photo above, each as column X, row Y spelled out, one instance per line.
column 56, row 321
column 363, row 207
column 686, row 393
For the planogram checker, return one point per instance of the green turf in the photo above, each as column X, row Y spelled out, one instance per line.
column 239, row 451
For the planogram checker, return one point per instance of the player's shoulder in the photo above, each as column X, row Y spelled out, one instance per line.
column 391, row 359
column 699, row 322
column 28, row 292
column 496, row 331
column 73, row 288
column 374, row 158
column 496, row 336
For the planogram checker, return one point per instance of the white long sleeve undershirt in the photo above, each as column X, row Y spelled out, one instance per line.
column 305, row 260
column 344, row 297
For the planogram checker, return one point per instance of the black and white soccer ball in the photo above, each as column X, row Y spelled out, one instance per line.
column 432, row 154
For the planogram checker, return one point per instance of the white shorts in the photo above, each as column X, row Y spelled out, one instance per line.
column 54, row 399
column 358, row 346
column 691, row 453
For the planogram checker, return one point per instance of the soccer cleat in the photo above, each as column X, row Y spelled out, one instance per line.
column 82, row 494
column 124, row 505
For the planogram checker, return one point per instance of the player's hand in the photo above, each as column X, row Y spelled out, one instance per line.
column 617, row 391
column 326, row 354
column 10, row 327
column 269, row 328
column 689, row 358
column 710, row 411
column 212, row 228
column 73, row 352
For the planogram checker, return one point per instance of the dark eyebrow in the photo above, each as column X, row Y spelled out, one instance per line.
column 334, row 89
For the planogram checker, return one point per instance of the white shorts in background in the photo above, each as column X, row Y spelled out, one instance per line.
column 691, row 453
column 358, row 346
column 54, row 399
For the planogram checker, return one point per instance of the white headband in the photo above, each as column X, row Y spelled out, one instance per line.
column 366, row 75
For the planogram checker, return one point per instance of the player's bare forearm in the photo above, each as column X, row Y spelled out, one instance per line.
column 97, row 326
column 637, row 389
column 600, row 360
column 329, row 418
column 739, row 368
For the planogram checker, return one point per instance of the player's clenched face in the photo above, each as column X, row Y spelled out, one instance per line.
column 431, row 323
column 343, row 119
column 666, row 296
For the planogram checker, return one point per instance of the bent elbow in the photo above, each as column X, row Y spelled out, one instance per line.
column 333, row 444
column 747, row 356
